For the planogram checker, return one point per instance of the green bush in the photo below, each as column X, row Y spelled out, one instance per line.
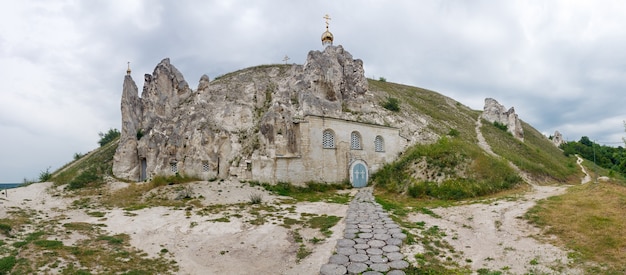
column 45, row 175
column 5, row 229
column 453, row 133
column 108, row 136
column 256, row 198
column 139, row 134
column 85, row 178
column 392, row 104
column 77, row 156
column 500, row 126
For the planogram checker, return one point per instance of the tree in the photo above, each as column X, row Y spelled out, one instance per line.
column 108, row 137
column 585, row 141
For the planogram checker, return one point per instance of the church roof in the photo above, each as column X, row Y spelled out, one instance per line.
column 327, row 36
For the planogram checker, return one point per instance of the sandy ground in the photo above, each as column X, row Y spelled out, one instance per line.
column 490, row 234
column 494, row 235
column 198, row 245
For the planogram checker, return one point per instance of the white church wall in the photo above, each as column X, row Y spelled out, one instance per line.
column 320, row 164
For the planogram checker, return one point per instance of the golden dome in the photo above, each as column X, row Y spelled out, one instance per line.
column 327, row 37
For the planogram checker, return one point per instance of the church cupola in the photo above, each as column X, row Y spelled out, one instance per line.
column 327, row 36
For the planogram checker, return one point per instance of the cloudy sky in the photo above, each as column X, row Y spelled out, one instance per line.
column 561, row 64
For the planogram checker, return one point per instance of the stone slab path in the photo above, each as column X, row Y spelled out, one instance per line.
column 371, row 243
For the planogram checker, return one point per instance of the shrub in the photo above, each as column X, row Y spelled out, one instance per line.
column 5, row 229
column 392, row 104
column 139, row 134
column 256, row 198
column 500, row 126
column 77, row 156
column 108, row 136
column 453, row 133
column 85, row 178
column 45, row 175
column 382, row 79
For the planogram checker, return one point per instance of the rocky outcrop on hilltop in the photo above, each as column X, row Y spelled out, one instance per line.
column 225, row 122
column 495, row 112
column 557, row 139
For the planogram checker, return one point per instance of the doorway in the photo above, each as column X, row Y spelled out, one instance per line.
column 358, row 174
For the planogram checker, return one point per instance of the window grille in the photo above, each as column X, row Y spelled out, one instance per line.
column 379, row 144
column 174, row 167
column 355, row 141
column 328, row 139
column 205, row 166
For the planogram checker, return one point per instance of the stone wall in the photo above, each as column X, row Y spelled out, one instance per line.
column 316, row 163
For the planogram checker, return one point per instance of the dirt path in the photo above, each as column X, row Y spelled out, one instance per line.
column 587, row 177
column 493, row 235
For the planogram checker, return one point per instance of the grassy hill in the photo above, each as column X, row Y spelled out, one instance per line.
column 455, row 167
column 450, row 167
column 447, row 166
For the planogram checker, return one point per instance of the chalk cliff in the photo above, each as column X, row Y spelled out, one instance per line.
column 495, row 112
column 223, row 124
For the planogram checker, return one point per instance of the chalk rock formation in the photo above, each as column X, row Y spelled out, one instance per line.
column 218, row 129
column 557, row 139
column 495, row 112
column 126, row 163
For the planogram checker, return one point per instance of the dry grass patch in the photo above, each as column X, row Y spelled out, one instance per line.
column 589, row 220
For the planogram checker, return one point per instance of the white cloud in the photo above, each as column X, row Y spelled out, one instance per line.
column 561, row 64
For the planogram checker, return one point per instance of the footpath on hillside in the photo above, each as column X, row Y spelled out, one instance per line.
column 493, row 235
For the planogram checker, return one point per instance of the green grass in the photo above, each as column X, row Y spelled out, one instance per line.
column 173, row 179
column 5, row 229
column 312, row 191
column 89, row 170
column 536, row 155
column 7, row 264
column 588, row 220
column 445, row 112
column 468, row 172
column 49, row 244
column 323, row 223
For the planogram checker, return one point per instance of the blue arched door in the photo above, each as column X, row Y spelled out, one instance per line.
column 358, row 174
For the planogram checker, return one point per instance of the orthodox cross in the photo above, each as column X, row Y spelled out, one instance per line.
column 327, row 17
column 128, row 70
column 286, row 59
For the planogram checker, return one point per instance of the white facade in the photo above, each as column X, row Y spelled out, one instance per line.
column 327, row 148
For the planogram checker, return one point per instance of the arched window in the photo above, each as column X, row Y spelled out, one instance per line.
column 328, row 139
column 379, row 144
column 355, row 141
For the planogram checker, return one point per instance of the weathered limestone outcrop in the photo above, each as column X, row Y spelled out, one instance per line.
column 125, row 161
column 240, row 123
column 495, row 112
column 557, row 139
